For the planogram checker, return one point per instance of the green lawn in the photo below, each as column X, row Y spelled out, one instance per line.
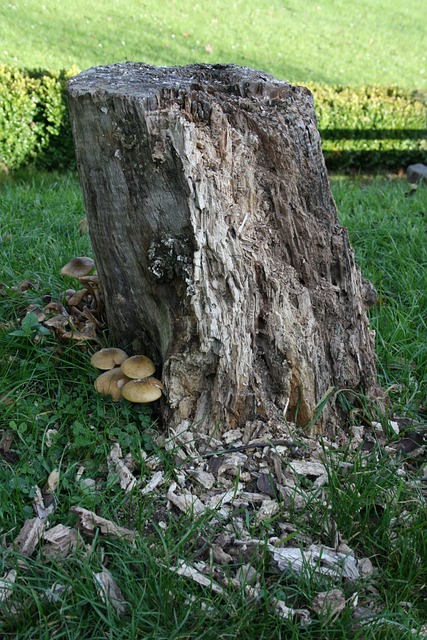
column 51, row 417
column 55, row 420
column 333, row 41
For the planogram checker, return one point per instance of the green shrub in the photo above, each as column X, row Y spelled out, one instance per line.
column 364, row 128
column 371, row 127
column 34, row 123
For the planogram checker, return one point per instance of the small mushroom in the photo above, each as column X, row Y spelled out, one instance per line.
column 142, row 391
column 78, row 267
column 137, row 367
column 110, row 383
column 75, row 299
column 108, row 358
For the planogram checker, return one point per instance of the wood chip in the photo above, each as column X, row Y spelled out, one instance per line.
column 307, row 468
column 205, row 478
column 116, row 465
column 219, row 555
column 329, row 603
column 6, row 584
column 109, row 591
column 184, row 569
column 185, row 501
column 88, row 522
column 265, row 484
column 156, row 480
column 319, row 558
column 29, row 536
column 281, row 609
column 62, row 541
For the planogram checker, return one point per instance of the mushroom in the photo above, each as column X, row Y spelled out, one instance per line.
column 108, row 358
column 137, row 367
column 75, row 298
column 78, row 267
column 142, row 391
column 110, row 383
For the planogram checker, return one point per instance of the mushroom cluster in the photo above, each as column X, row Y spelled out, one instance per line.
column 126, row 377
column 78, row 315
column 80, row 268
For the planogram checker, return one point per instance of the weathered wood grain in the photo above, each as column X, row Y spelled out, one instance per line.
column 216, row 238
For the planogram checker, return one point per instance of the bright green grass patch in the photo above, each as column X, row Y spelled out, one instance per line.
column 388, row 231
column 334, row 41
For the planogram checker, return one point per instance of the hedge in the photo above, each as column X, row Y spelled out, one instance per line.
column 371, row 127
column 34, row 123
column 362, row 128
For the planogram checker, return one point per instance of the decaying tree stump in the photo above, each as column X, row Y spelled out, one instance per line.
column 216, row 238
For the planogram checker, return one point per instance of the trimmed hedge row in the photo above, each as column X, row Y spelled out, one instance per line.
column 364, row 128
column 371, row 126
column 34, row 123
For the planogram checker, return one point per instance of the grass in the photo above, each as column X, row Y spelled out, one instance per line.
column 56, row 420
column 333, row 41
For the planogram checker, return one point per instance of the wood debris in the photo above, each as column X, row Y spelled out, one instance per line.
column 109, row 591
column 62, row 541
column 29, row 536
column 184, row 569
column 116, row 465
column 318, row 558
column 329, row 603
column 89, row 522
column 6, row 584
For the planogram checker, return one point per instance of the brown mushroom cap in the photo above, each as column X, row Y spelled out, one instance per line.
column 137, row 367
column 110, row 383
column 108, row 358
column 142, row 391
column 75, row 299
column 78, row 267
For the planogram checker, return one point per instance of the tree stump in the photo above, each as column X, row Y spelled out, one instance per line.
column 217, row 242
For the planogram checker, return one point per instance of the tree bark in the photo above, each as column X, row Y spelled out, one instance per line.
column 217, row 242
